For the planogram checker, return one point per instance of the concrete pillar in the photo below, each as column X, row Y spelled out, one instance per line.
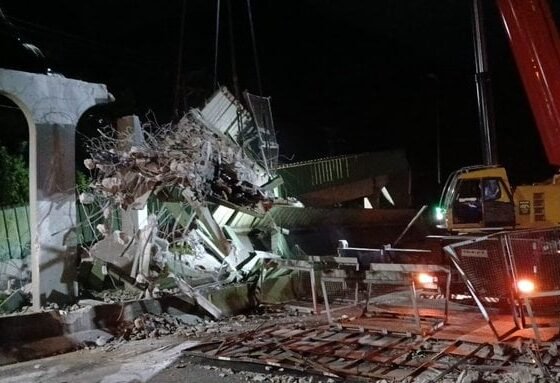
column 52, row 106
column 129, row 132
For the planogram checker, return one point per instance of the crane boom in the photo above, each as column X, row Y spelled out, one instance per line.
column 535, row 44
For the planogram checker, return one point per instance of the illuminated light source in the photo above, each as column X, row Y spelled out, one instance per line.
column 425, row 278
column 525, row 286
column 439, row 213
column 387, row 195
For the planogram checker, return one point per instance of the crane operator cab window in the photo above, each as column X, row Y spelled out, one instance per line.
column 485, row 201
column 491, row 189
column 467, row 207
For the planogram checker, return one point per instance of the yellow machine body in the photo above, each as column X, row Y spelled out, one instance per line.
column 481, row 198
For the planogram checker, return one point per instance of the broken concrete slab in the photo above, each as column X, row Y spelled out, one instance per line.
column 189, row 319
column 13, row 302
column 56, row 331
column 279, row 290
column 199, row 298
column 115, row 252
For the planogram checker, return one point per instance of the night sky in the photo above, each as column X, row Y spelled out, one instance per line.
column 344, row 76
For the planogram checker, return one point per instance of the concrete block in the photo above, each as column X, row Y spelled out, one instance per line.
column 13, row 302
column 279, row 290
column 231, row 299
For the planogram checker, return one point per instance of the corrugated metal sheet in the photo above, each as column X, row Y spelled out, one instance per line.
column 294, row 217
column 304, row 177
column 317, row 231
column 221, row 113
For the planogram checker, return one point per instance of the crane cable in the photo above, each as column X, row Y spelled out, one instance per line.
column 216, row 44
column 234, row 76
column 180, row 60
column 254, row 41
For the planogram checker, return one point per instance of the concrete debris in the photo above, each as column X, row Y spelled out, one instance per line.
column 90, row 302
column 13, row 302
column 200, row 299
column 553, row 349
column 102, row 340
column 190, row 157
column 273, row 375
column 115, row 252
column 149, row 326
column 193, row 167
column 14, row 273
column 469, row 376
column 193, row 326
column 189, row 319
column 110, row 296
column 86, row 198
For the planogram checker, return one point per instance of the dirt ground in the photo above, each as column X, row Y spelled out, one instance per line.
column 162, row 359
column 151, row 360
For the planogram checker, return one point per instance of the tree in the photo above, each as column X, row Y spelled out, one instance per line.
column 14, row 179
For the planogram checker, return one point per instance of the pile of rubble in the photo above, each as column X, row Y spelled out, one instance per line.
column 187, row 157
column 189, row 169
column 193, row 326
column 150, row 326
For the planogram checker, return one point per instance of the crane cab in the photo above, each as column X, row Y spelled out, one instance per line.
column 481, row 198
column 477, row 198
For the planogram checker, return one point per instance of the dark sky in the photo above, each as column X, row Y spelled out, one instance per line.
column 344, row 76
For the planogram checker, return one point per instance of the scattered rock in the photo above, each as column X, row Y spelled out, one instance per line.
column 469, row 376
column 138, row 323
column 100, row 342
column 553, row 349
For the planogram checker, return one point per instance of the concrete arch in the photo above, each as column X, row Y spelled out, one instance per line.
column 52, row 106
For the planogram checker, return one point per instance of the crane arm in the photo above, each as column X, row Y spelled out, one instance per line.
column 535, row 44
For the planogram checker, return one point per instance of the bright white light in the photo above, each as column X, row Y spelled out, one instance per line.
column 367, row 203
column 425, row 278
column 387, row 196
column 525, row 286
column 440, row 214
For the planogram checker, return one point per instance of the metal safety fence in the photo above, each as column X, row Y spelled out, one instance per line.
column 15, row 228
column 408, row 298
column 15, row 236
column 518, row 271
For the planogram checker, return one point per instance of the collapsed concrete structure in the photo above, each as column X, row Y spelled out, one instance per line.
column 212, row 162
column 214, row 175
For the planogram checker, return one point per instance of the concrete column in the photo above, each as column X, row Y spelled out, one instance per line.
column 129, row 132
column 52, row 106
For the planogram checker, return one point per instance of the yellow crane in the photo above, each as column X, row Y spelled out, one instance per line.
column 479, row 198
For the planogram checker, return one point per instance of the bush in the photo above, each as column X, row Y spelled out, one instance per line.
column 14, row 179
